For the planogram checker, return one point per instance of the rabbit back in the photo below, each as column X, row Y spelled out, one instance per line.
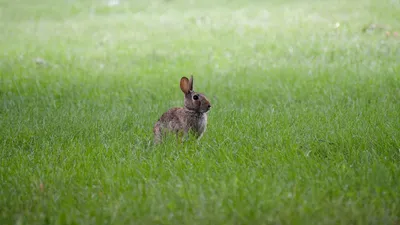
column 180, row 120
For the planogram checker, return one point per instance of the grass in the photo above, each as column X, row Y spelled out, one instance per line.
column 304, row 127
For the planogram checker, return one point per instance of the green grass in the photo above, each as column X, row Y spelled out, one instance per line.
column 304, row 129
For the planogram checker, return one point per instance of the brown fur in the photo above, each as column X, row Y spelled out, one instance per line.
column 190, row 118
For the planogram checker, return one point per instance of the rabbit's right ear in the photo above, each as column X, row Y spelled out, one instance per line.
column 191, row 83
column 185, row 85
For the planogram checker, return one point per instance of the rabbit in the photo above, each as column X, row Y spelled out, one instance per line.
column 192, row 118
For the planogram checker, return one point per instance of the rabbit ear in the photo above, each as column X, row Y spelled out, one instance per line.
column 185, row 85
column 191, row 82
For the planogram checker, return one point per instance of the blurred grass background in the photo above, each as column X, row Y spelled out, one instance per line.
column 304, row 127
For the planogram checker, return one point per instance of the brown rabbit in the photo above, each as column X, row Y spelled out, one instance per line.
column 191, row 118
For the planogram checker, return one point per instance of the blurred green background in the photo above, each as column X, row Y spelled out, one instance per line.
column 304, row 127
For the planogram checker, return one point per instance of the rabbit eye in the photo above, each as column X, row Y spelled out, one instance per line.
column 195, row 97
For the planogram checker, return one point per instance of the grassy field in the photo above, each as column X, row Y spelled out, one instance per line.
column 304, row 129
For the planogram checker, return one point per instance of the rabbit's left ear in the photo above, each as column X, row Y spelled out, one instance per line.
column 191, row 82
column 185, row 85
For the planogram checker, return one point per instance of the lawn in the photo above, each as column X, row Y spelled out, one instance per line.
column 304, row 128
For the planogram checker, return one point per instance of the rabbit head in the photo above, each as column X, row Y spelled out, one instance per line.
column 194, row 101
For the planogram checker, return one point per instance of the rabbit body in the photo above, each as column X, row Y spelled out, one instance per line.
column 192, row 118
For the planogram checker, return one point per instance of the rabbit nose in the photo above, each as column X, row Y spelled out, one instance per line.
column 209, row 106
